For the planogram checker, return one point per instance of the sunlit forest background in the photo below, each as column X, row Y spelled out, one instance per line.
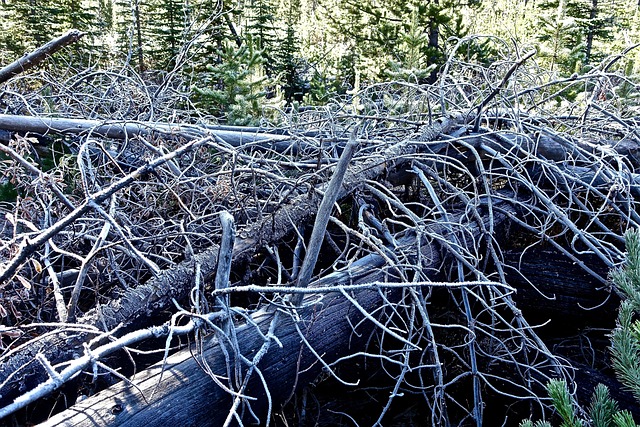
column 235, row 59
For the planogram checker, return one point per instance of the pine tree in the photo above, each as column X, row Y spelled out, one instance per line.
column 261, row 26
column 232, row 90
column 290, row 69
column 170, row 20
column 625, row 338
column 132, row 32
column 575, row 31
column 396, row 34
column 562, row 39
column 412, row 59
column 33, row 23
column 105, row 15
column 28, row 24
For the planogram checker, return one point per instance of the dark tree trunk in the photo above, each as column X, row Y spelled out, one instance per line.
column 593, row 14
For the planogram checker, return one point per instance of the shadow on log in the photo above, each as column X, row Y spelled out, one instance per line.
column 187, row 396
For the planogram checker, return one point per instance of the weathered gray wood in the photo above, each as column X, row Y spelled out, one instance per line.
column 158, row 294
column 123, row 129
column 323, row 214
column 189, row 397
column 32, row 59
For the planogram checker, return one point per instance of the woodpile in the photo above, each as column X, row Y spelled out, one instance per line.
column 455, row 239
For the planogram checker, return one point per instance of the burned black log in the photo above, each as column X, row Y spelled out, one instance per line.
column 553, row 288
column 309, row 339
column 180, row 392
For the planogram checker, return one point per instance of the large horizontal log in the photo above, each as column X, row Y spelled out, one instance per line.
column 123, row 129
column 188, row 396
column 551, row 286
column 181, row 393
column 326, row 325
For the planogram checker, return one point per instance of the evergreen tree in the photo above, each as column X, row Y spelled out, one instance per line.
column 573, row 29
column 132, row 32
column 290, row 68
column 170, row 22
column 33, row 23
column 213, row 31
column 28, row 24
column 105, row 15
column 397, row 33
column 562, row 39
column 411, row 62
column 261, row 26
column 232, row 90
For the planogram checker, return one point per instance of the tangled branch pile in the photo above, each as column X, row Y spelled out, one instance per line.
column 454, row 198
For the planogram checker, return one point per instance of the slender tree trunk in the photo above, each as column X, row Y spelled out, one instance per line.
column 434, row 44
column 141, row 66
column 593, row 13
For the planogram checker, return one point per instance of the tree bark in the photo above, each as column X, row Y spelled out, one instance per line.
column 123, row 130
column 187, row 395
column 158, row 294
column 32, row 59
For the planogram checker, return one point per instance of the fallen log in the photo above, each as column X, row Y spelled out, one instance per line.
column 180, row 392
column 21, row 371
column 328, row 327
column 32, row 59
column 551, row 286
column 332, row 326
column 124, row 130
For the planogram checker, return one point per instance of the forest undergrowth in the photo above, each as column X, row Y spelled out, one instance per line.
column 135, row 226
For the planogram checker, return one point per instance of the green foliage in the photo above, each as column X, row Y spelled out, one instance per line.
column 603, row 411
column 625, row 348
column 562, row 39
column 573, row 32
column 234, row 88
column 602, row 408
column 131, row 31
column 396, row 37
column 261, row 26
column 559, row 394
column 8, row 192
column 28, row 24
column 529, row 423
column 625, row 339
column 290, row 69
column 623, row 419
column 412, row 60
column 105, row 15
column 170, row 22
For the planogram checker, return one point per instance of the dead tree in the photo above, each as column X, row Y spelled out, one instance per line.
column 32, row 59
column 429, row 256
